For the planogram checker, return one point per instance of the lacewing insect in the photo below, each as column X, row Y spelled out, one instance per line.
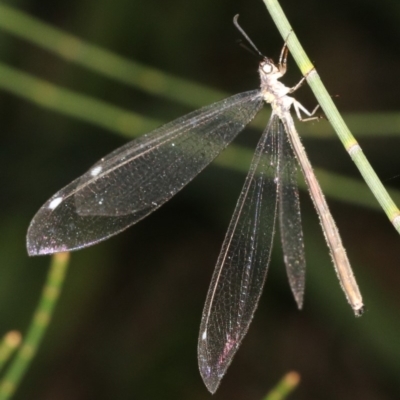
column 136, row 179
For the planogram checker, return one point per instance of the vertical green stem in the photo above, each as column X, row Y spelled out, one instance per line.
column 331, row 112
column 38, row 326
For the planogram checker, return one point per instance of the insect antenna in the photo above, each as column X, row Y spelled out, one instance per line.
column 240, row 29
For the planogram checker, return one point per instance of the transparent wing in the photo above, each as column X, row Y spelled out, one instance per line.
column 290, row 218
column 137, row 178
column 242, row 265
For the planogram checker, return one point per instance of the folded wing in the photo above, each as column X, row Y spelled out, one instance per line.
column 290, row 218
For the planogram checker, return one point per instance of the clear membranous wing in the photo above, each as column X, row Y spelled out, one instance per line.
column 290, row 217
column 137, row 178
column 242, row 265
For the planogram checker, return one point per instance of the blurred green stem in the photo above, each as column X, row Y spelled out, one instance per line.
column 76, row 105
column 8, row 345
column 38, row 326
column 103, row 61
column 286, row 386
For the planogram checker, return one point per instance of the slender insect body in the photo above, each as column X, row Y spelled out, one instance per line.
column 275, row 93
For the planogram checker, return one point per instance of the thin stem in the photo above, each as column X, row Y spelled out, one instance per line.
column 331, row 112
column 103, row 61
column 284, row 387
column 38, row 326
column 85, row 108
column 8, row 345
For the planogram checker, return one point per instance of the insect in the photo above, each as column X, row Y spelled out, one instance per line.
column 136, row 179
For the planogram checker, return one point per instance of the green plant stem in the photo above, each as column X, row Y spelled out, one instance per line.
column 65, row 101
column 38, row 326
column 8, row 345
column 331, row 112
column 103, row 61
column 286, row 386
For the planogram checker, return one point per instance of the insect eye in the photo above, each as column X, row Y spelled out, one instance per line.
column 267, row 68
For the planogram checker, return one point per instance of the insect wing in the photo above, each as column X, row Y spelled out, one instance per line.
column 136, row 179
column 242, row 265
column 290, row 217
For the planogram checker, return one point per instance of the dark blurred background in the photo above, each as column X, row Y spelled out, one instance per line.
column 127, row 323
